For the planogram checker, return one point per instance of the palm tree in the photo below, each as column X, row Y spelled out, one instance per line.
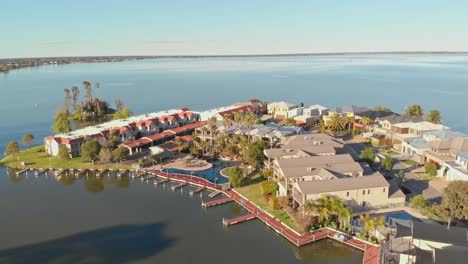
column 336, row 123
column 249, row 121
column 308, row 207
column 366, row 121
column 213, row 128
column 180, row 143
column 227, row 119
column 350, row 123
column 371, row 224
column 344, row 215
column 68, row 98
column 414, row 111
column 88, row 93
column 75, row 94
column 238, row 118
column 434, row 116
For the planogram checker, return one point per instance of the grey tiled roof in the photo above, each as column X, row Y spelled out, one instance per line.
column 343, row 184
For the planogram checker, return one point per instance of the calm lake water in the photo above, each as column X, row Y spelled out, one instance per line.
column 44, row 220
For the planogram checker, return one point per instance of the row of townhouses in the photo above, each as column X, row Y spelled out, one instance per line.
column 142, row 131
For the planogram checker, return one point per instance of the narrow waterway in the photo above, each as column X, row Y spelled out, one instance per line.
column 47, row 219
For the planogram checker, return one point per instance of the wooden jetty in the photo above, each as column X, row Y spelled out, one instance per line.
column 215, row 193
column 21, row 171
column 139, row 175
column 180, row 185
column 40, row 171
column 82, row 171
column 164, row 180
column 199, row 189
column 217, row 202
column 150, row 177
column 120, row 173
column 60, row 172
column 239, row 219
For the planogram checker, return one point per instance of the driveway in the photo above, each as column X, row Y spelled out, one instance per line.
column 418, row 186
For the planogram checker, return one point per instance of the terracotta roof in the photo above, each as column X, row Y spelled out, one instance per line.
column 137, row 143
column 69, row 141
column 245, row 108
column 185, row 138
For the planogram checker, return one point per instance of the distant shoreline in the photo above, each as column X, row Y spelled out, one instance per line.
column 8, row 64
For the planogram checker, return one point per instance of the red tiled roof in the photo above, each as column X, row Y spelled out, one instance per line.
column 156, row 137
column 245, row 108
column 137, row 143
column 145, row 122
column 185, row 114
column 166, row 118
column 122, row 129
column 185, row 138
column 185, row 109
column 188, row 127
column 69, row 141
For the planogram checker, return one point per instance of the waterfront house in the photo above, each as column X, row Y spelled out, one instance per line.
column 398, row 129
column 287, row 171
column 415, row 148
column 280, row 110
column 450, row 155
column 445, row 150
column 347, row 112
column 371, row 191
column 258, row 107
column 305, row 145
column 308, row 115
column 220, row 112
column 426, row 243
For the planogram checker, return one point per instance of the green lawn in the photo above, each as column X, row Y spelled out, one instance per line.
column 252, row 192
column 390, row 152
column 410, row 162
column 37, row 158
column 425, row 176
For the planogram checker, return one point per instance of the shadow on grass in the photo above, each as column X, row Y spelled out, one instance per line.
column 117, row 244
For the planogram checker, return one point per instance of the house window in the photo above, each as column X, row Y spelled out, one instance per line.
column 347, row 193
column 383, row 189
column 368, row 191
column 363, row 192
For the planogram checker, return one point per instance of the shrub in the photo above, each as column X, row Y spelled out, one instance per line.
column 63, row 152
column 274, row 203
column 90, row 150
column 283, row 201
column 120, row 153
column 431, row 169
column 267, row 173
column 368, row 155
column 235, row 176
column 268, row 187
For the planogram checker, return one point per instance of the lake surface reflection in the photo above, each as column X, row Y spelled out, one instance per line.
column 110, row 219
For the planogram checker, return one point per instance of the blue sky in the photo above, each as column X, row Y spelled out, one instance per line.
column 170, row 27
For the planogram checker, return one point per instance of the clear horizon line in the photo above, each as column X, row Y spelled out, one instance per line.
column 244, row 55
